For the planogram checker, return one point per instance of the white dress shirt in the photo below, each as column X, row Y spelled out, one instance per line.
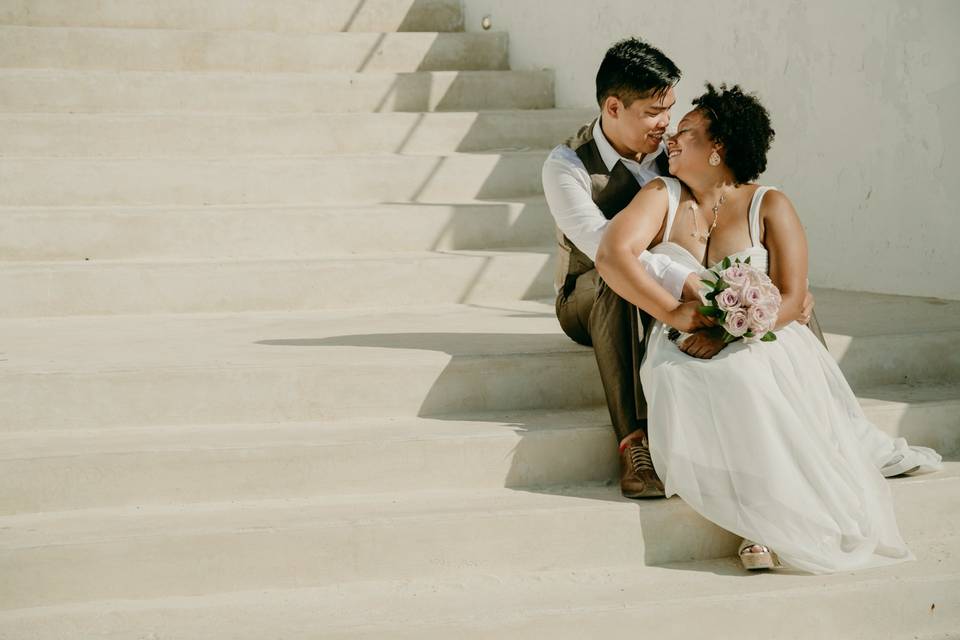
column 566, row 186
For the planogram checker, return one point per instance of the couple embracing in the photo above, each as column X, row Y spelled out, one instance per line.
column 763, row 438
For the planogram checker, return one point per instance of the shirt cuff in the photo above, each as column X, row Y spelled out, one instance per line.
column 674, row 278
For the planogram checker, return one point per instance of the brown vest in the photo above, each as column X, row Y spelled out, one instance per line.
column 612, row 191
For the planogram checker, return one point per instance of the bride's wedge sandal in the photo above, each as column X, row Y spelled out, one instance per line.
column 751, row 560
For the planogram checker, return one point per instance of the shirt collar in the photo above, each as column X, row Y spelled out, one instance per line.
column 610, row 155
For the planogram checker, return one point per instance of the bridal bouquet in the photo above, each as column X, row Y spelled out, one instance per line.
column 743, row 299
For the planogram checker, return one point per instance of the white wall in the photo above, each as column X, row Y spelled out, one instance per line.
column 864, row 97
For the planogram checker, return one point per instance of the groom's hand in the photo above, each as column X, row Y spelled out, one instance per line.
column 703, row 344
column 688, row 319
column 807, row 309
column 691, row 287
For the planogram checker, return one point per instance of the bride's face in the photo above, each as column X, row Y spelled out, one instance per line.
column 690, row 147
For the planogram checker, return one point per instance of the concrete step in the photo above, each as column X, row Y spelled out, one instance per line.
column 81, row 468
column 374, row 178
column 337, row 281
column 189, row 50
column 710, row 598
column 61, row 470
column 201, row 134
column 66, row 91
column 130, row 371
column 923, row 413
column 869, row 326
column 214, row 15
column 55, row 558
column 262, row 232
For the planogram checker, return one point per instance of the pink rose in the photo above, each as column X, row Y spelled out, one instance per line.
column 761, row 318
column 738, row 287
column 773, row 312
column 752, row 295
column 772, row 295
column 757, row 277
column 736, row 274
column 736, row 323
column 728, row 299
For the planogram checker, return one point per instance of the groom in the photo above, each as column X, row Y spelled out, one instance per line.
column 587, row 181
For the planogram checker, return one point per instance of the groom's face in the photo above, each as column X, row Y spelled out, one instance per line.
column 640, row 127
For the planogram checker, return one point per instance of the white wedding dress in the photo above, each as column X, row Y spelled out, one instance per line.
column 768, row 441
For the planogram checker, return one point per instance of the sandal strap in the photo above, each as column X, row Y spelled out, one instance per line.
column 746, row 544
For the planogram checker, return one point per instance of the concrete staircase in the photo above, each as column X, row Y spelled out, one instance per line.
column 279, row 357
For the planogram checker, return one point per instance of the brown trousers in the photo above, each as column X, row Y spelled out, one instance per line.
column 592, row 314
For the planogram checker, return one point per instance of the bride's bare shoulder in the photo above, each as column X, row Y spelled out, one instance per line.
column 656, row 184
column 778, row 213
column 776, row 203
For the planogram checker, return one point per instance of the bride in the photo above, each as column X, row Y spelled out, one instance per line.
column 765, row 439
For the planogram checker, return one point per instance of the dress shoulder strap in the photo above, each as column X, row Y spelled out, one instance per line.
column 754, row 216
column 673, row 198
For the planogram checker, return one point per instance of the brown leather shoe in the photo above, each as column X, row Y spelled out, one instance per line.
column 638, row 478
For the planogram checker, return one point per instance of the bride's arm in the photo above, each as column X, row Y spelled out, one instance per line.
column 629, row 234
column 786, row 243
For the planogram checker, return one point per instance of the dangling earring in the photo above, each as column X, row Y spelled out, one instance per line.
column 714, row 159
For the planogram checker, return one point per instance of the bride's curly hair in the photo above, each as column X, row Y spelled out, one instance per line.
column 742, row 125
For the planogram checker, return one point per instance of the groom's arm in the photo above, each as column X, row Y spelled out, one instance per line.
column 566, row 186
column 629, row 234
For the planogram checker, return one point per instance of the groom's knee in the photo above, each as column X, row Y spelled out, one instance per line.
column 574, row 310
column 609, row 312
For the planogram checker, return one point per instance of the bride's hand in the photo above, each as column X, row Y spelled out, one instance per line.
column 702, row 344
column 807, row 309
column 688, row 319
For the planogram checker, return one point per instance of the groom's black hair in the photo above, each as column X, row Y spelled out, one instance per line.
column 742, row 124
column 633, row 69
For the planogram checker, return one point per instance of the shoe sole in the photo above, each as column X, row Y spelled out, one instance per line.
column 755, row 561
column 643, row 494
column 895, row 470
